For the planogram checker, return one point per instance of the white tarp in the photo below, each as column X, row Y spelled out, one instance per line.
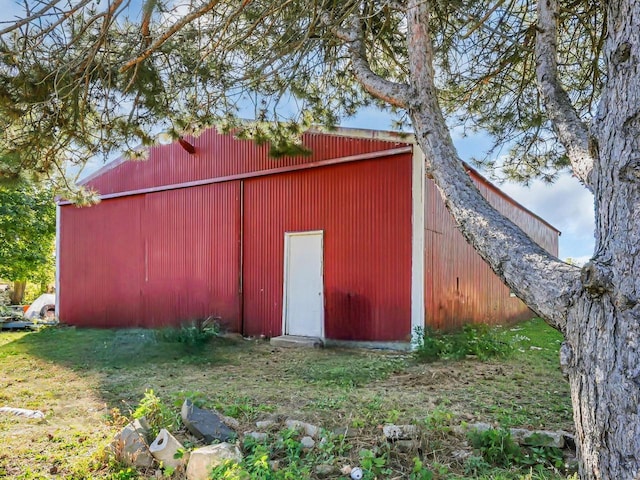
column 34, row 309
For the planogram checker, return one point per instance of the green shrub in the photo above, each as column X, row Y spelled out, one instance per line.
column 156, row 412
column 480, row 341
column 496, row 446
column 428, row 344
column 194, row 334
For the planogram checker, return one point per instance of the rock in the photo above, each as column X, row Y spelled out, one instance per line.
column 400, row 432
column 407, row 446
column 228, row 421
column 479, row 427
column 307, row 442
column 270, row 421
column 324, row 470
column 538, row 438
column 257, row 436
column 202, row 460
column 346, row 432
column 266, row 424
column 204, row 424
column 164, row 449
column 130, row 445
column 461, row 455
column 307, row 428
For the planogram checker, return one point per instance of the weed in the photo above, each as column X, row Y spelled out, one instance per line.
column 543, row 455
column 439, row 419
column 476, row 466
column 419, row 471
column 479, row 341
column 126, row 473
column 374, row 465
column 156, row 412
column 496, row 446
column 361, row 369
column 195, row 334
column 197, row 398
column 242, row 408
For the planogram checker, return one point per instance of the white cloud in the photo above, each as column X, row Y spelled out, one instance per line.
column 567, row 205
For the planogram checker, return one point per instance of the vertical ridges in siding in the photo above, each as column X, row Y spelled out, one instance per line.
column 364, row 209
column 221, row 155
column 459, row 286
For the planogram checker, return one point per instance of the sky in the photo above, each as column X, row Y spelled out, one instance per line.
column 566, row 204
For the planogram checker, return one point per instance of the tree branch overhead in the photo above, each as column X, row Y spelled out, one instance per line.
column 570, row 129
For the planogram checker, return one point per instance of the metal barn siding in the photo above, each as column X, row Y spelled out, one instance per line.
column 102, row 254
column 364, row 209
column 220, row 155
column 152, row 260
column 192, row 255
column 459, row 286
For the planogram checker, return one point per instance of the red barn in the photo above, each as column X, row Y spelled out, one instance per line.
column 350, row 243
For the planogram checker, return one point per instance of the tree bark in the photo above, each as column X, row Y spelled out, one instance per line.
column 599, row 312
column 601, row 355
column 17, row 294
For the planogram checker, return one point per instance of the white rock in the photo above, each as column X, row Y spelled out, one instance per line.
column 257, row 436
column 130, row 445
column 538, row 437
column 479, row 426
column 265, row 424
column 164, row 449
column 228, row 421
column 204, row 459
column 307, row 428
column 400, row 432
column 407, row 446
column 307, row 442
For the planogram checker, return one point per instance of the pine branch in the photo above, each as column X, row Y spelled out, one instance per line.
column 396, row 94
column 569, row 128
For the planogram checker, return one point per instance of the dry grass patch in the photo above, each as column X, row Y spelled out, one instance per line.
column 78, row 377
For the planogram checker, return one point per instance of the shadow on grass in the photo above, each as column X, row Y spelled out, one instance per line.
column 96, row 349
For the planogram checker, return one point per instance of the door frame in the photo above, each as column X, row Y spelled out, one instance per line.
column 285, row 282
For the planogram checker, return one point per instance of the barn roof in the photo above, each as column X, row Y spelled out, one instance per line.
column 376, row 142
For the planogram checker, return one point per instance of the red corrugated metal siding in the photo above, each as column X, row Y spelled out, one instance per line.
column 364, row 209
column 221, row 155
column 101, row 264
column 152, row 260
column 459, row 286
column 192, row 255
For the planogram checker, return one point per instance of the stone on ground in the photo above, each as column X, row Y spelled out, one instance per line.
column 202, row 460
column 130, row 445
column 400, row 432
column 204, row 424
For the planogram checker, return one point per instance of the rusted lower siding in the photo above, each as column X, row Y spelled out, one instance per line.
column 152, row 260
column 364, row 209
column 221, row 155
column 459, row 286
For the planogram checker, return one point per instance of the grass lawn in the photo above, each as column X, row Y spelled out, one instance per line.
column 84, row 379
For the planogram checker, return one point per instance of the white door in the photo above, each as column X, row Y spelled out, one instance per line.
column 303, row 302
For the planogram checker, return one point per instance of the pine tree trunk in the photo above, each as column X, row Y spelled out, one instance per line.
column 602, row 361
column 17, row 294
column 602, row 353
